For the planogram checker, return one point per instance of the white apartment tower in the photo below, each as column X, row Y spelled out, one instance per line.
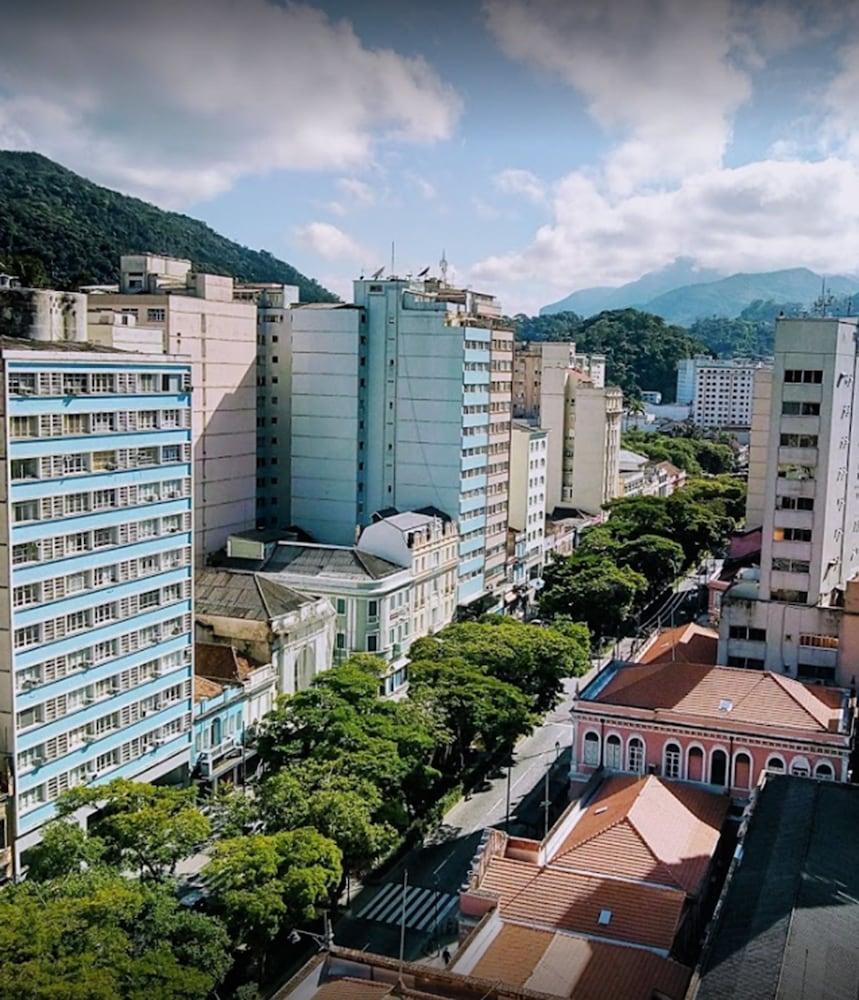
column 718, row 391
column 797, row 616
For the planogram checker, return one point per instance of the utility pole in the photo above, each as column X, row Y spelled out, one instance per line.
column 546, row 802
column 509, row 772
column 403, row 926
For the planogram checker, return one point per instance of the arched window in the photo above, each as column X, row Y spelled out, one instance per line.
column 612, row 752
column 671, row 763
column 800, row 767
column 635, row 756
column 592, row 749
column 825, row 771
column 695, row 764
column 719, row 768
column 776, row 765
column 742, row 770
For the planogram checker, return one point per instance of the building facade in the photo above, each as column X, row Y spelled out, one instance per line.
column 797, row 615
column 527, row 508
column 719, row 391
column 529, row 360
column 715, row 726
column 199, row 318
column 97, row 668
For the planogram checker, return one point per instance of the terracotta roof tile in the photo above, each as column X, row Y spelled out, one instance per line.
column 564, row 965
column 205, row 688
column 647, row 829
column 555, row 897
column 695, row 689
column 352, row 989
column 685, row 644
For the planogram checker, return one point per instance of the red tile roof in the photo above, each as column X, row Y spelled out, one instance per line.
column 684, row 644
column 647, row 829
column 568, row 966
column 205, row 688
column 723, row 696
column 558, row 898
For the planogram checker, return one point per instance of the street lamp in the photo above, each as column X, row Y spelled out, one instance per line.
column 325, row 940
column 511, row 760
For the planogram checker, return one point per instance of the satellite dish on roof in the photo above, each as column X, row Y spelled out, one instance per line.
column 377, row 274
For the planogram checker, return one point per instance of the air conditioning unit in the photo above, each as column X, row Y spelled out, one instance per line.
column 89, row 737
column 111, row 466
column 88, row 700
column 29, row 682
column 38, row 761
column 160, row 740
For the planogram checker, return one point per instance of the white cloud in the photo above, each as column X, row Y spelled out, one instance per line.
column 763, row 215
column 356, row 190
column 426, row 189
column 332, row 243
column 522, row 183
column 176, row 101
column 656, row 73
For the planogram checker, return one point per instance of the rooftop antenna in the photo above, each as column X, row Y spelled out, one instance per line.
column 424, row 273
column 377, row 274
column 442, row 265
column 823, row 305
column 393, row 259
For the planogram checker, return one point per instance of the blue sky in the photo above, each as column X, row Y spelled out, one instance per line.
column 545, row 146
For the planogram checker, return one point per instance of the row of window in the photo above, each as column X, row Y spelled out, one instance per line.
column 800, row 473
column 810, row 376
column 798, row 440
column 794, row 503
column 95, row 729
column 80, row 660
column 102, row 614
column 791, row 534
column 109, row 422
column 71, row 504
column 791, row 565
column 96, row 383
column 747, row 632
column 134, row 749
column 794, row 408
column 113, row 460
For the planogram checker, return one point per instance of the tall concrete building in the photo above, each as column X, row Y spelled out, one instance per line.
column 528, row 361
column 797, row 613
column 273, row 379
column 392, row 407
column 717, row 390
column 527, row 507
column 199, row 317
column 95, row 572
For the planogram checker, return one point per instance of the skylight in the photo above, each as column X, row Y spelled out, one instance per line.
column 604, row 918
column 725, row 705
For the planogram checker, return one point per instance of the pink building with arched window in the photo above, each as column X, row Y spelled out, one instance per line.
column 716, row 726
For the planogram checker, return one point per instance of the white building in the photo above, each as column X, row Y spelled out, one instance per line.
column 718, row 391
column 527, row 507
column 800, row 616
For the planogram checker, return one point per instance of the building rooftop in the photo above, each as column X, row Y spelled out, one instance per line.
column 788, row 922
column 205, row 688
column 720, row 697
column 254, row 596
column 565, row 965
column 221, row 663
column 330, row 561
column 62, row 346
column 647, row 829
column 685, row 644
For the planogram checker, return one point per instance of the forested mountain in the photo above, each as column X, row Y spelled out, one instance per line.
column 641, row 350
column 59, row 230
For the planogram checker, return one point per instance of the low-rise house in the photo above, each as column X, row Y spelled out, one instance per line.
column 787, row 923
column 716, row 726
column 231, row 693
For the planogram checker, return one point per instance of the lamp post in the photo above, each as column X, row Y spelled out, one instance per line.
column 325, row 940
column 511, row 760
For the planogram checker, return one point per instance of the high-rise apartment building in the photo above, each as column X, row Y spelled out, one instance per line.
column 200, row 318
column 718, row 391
column 798, row 613
column 273, row 378
column 528, row 361
column 96, row 569
column 527, row 507
column 392, row 407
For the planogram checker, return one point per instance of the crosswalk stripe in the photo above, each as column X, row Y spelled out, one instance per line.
column 378, row 900
column 423, row 908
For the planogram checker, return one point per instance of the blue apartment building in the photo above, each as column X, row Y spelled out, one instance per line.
column 97, row 573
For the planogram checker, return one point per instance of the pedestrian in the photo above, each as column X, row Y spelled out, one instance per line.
column 446, row 956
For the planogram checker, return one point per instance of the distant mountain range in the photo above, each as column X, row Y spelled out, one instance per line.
column 60, row 230
column 681, row 294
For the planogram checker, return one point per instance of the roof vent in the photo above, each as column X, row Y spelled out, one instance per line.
column 604, row 918
column 601, row 809
column 725, row 705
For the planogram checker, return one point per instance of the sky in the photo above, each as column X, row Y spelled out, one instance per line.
column 544, row 146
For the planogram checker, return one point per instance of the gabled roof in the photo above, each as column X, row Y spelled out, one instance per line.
column 723, row 696
column 253, row 596
column 686, row 643
column 557, row 898
column 647, row 829
column 568, row 966
column 332, row 561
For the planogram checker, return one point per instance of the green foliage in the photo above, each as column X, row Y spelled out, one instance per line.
column 659, row 560
column 692, row 452
column 65, row 848
column 146, row 829
column 597, row 592
column 263, row 882
column 64, row 231
column 556, row 326
column 99, row 935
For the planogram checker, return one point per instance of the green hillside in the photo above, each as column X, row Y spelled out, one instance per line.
column 60, row 230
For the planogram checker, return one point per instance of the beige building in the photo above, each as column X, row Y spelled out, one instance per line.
column 527, row 507
column 528, row 363
column 498, row 466
column 198, row 317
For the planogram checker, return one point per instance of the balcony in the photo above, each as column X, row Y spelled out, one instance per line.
column 210, row 761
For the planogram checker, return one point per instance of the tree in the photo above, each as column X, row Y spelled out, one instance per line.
column 531, row 658
column 601, row 594
column 147, row 829
column 100, row 935
column 65, row 848
column 263, row 882
column 480, row 711
column 659, row 560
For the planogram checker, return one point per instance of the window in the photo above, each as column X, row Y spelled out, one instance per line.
column 149, row 599
column 103, row 423
column 102, row 499
column 155, row 315
column 340, row 640
column 73, row 464
column 792, row 534
column 808, row 376
column 76, row 543
column 776, row 765
column 75, row 423
column 22, row 384
column 373, row 642
column 25, row 468
column 635, row 756
column 76, row 503
column 147, row 420
column 171, row 418
column 103, row 383
column 103, row 613
column 671, row 764
column 74, row 384
column 341, row 605
column 103, row 461
column 103, row 537
column 612, row 752
column 32, row 797
column 171, row 453
column 791, row 565
column 25, row 510
column 788, row 470
column 148, row 529
column 800, row 768
column 31, row 717
column 793, row 408
column 24, row 427
column 75, row 583
column 171, row 383
column 798, row 440
column 372, row 609
column 592, row 749
column 25, row 552
column 824, row 771
column 746, row 632
column 146, row 456
column 76, row 621
column 25, row 595
column 172, row 523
